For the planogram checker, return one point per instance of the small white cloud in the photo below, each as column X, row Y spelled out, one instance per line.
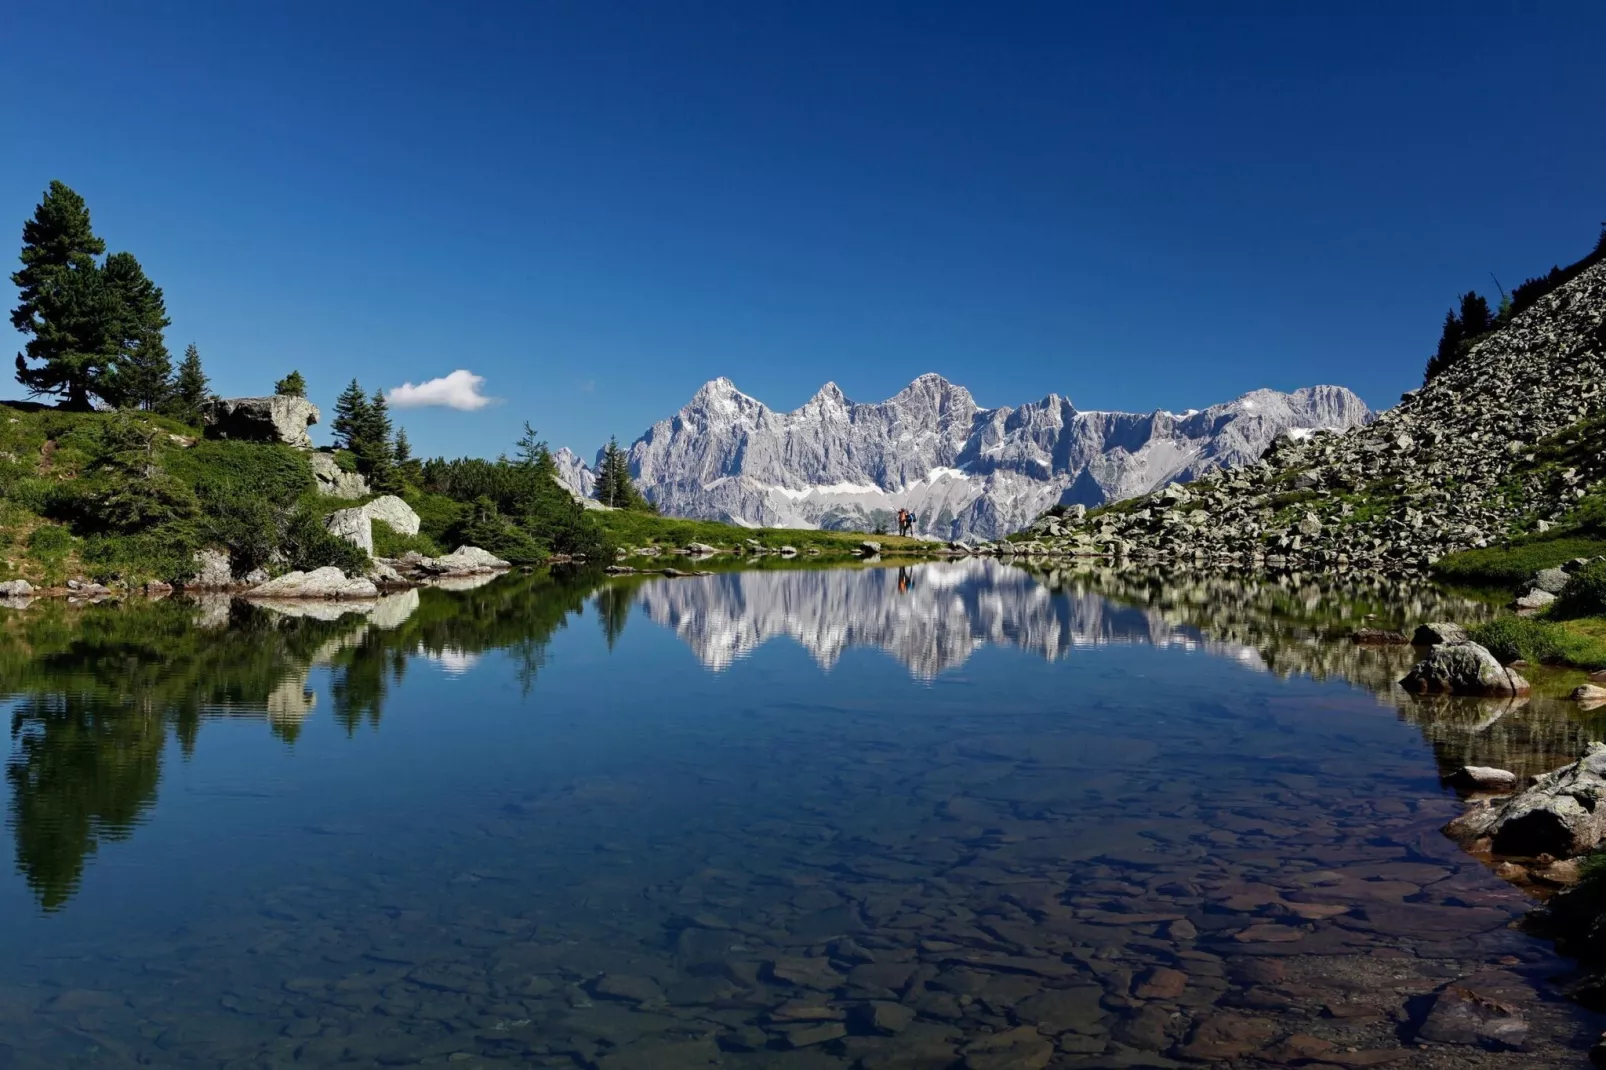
column 459, row 390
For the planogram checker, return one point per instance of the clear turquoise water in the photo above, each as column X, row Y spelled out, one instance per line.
column 731, row 821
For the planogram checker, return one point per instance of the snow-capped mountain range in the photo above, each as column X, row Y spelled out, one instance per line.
column 965, row 471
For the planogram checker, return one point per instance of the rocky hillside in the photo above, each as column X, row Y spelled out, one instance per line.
column 1506, row 440
column 967, row 472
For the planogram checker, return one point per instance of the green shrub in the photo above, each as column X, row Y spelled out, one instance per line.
column 309, row 545
column 503, row 538
column 438, row 515
column 1585, row 593
column 162, row 555
column 388, row 542
column 49, row 548
column 345, row 460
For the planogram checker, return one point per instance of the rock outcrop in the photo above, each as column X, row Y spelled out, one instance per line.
column 1456, row 465
column 463, row 561
column 968, row 473
column 334, row 481
column 270, row 419
column 326, row 582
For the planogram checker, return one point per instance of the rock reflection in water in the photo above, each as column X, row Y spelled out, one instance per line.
column 1098, row 855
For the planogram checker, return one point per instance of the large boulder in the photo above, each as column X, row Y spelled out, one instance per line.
column 1563, row 813
column 395, row 512
column 355, row 525
column 16, row 589
column 1462, row 669
column 334, row 481
column 352, row 525
column 270, row 419
column 326, row 582
column 1550, row 580
column 470, row 559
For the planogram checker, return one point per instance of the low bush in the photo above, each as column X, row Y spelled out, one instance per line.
column 388, row 542
column 309, row 545
column 1585, row 593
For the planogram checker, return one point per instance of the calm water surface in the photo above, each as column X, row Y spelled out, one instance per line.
column 958, row 815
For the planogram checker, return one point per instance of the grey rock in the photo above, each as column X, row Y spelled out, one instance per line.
column 16, row 589
column 326, row 582
column 352, row 525
column 267, row 419
column 212, row 570
column 1550, row 580
column 394, row 512
column 1533, row 600
column 471, row 559
column 1482, row 778
column 1560, row 814
column 1463, row 669
column 701, row 548
column 1438, row 633
column 336, row 482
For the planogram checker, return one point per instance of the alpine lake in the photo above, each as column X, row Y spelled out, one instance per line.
column 949, row 815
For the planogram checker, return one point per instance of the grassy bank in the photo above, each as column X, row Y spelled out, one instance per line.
column 129, row 497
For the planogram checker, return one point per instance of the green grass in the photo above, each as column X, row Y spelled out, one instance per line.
column 1516, row 562
column 1580, row 643
column 632, row 529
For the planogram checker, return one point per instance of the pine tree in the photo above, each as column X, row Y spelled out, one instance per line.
column 351, row 414
column 608, row 468
column 190, row 391
column 408, row 468
column 64, row 307
column 291, row 386
column 375, row 454
column 614, row 486
column 1476, row 318
column 531, row 447
column 138, row 378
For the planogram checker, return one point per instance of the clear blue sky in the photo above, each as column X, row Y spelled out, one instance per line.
column 598, row 206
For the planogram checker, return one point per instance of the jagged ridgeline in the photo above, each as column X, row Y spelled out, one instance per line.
column 1508, row 442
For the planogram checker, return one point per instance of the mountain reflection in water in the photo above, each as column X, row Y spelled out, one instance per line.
column 756, row 818
column 96, row 692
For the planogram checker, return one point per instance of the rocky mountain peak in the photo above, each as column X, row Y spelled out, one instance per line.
column 966, row 472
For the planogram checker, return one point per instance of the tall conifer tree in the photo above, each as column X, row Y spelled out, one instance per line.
column 64, row 307
column 139, row 375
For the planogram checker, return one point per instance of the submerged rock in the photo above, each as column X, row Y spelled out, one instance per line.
column 1462, row 1016
column 1463, row 669
column 1482, row 778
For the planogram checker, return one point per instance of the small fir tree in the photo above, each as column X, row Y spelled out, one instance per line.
column 408, row 468
column 351, row 415
column 190, row 390
column 291, row 386
column 531, row 447
column 1476, row 318
column 375, row 453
